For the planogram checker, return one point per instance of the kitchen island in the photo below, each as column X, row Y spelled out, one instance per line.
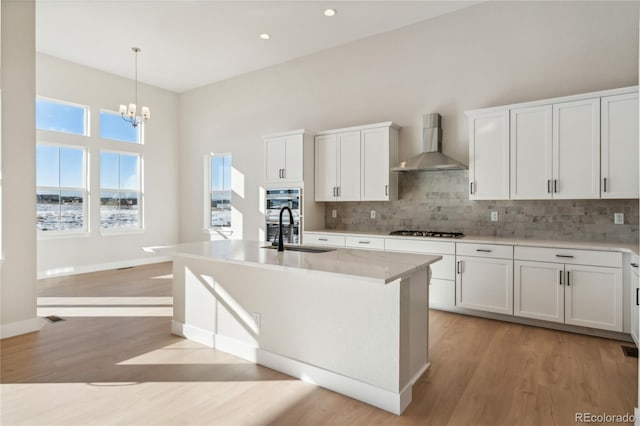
column 353, row 321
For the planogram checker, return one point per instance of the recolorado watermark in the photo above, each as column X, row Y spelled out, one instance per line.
column 604, row 418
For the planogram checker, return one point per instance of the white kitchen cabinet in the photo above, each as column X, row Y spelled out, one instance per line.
column 379, row 152
column 284, row 158
column 322, row 239
column 442, row 287
column 576, row 149
column 484, row 277
column 568, row 292
column 531, row 153
column 353, row 164
column 538, row 290
column 619, row 146
column 489, row 155
column 635, row 309
column 337, row 169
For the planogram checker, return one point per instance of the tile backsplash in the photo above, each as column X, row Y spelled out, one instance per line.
column 438, row 201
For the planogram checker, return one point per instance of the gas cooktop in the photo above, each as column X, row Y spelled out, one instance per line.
column 435, row 234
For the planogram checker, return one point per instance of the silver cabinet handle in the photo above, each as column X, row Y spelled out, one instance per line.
column 605, row 184
column 338, row 191
column 284, row 173
column 560, row 274
column 459, row 267
column 386, row 190
column 568, row 283
column 471, row 188
column 637, row 296
column 635, row 265
column 484, row 250
column 566, row 256
column 555, row 185
column 548, row 186
column 364, row 242
column 323, row 239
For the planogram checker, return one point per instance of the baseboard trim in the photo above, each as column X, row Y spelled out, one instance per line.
column 83, row 269
column 196, row 334
column 394, row 402
column 20, row 327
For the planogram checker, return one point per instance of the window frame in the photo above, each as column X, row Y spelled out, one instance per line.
column 86, row 228
column 87, row 116
column 208, row 159
column 140, row 128
column 118, row 230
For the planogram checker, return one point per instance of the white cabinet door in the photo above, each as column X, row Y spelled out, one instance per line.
column 275, row 154
column 531, row 153
column 538, row 290
column 326, row 167
column 635, row 317
column 293, row 156
column 576, row 149
column 485, row 284
column 619, row 146
column 593, row 297
column 349, row 166
column 489, row 156
column 442, row 294
column 375, row 164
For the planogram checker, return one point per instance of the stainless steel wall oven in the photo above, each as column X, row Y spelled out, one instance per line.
column 276, row 199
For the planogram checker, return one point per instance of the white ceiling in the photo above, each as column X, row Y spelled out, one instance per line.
column 187, row 44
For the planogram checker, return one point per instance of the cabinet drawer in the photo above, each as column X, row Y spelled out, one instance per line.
column 420, row 246
column 369, row 243
column 323, row 240
column 570, row 256
column 484, row 250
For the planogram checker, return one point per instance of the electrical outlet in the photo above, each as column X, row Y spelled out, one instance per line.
column 334, row 213
column 373, row 214
column 494, row 216
column 618, row 218
column 256, row 319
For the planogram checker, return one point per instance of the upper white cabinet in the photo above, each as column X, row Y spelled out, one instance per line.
column 338, row 166
column 575, row 147
column 489, row 155
column 379, row 152
column 354, row 164
column 284, row 157
column 531, row 152
column 619, row 146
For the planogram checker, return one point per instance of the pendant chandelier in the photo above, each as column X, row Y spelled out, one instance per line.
column 128, row 113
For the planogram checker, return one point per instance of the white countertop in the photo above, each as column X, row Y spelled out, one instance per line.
column 379, row 266
column 581, row 245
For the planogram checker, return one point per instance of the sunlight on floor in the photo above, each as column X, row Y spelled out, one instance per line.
column 184, row 352
column 107, row 306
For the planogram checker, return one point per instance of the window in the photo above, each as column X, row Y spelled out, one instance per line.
column 220, row 190
column 120, row 191
column 61, row 188
column 60, row 116
column 112, row 126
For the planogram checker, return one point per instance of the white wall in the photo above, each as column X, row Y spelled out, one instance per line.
column 60, row 79
column 491, row 54
column 18, row 283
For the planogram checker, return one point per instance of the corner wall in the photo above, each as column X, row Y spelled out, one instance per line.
column 18, row 276
column 494, row 53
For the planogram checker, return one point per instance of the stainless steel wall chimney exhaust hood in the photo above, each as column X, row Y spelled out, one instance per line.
column 431, row 159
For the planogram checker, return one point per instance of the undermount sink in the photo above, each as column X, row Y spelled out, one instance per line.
column 302, row 249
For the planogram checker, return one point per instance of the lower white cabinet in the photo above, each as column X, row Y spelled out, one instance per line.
column 583, row 295
column 485, row 283
column 635, row 311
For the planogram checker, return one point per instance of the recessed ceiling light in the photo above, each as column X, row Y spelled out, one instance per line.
column 330, row 12
column 265, row 36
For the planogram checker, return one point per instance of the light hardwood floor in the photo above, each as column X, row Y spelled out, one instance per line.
column 113, row 369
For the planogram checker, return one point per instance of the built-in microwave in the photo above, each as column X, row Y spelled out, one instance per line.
column 275, row 200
